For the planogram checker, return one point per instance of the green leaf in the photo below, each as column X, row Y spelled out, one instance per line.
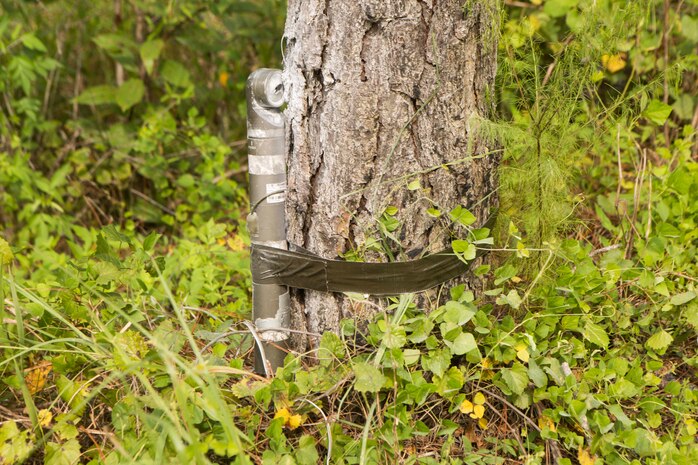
column 67, row 453
column 462, row 216
column 512, row 299
column 516, row 378
column 97, row 95
column 537, row 374
column 450, row 383
column 657, row 112
column 391, row 210
column 620, row 415
column 659, row 340
column 558, row 8
column 691, row 314
column 457, row 313
column 464, row 249
column 411, row 356
column 368, row 377
column 623, row 389
column 394, row 337
column 595, row 334
column 306, row 453
column 33, row 43
column 150, row 51
column 680, row 299
column 433, row 212
column 150, row 241
column 437, row 361
column 175, row 73
column 130, row 93
column 689, row 27
column 463, row 343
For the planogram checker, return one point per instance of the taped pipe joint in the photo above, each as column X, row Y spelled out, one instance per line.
column 266, row 163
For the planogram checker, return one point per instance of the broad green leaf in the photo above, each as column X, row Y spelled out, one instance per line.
column 437, row 361
column 595, row 334
column 691, row 314
column 464, row 249
column 657, row 112
column 463, row 343
column 680, row 299
column 150, row 52
column 457, row 313
column 67, row 453
column 32, row 42
column 306, row 453
column 368, row 377
column 462, row 216
column 175, row 73
column 450, row 383
column 512, row 299
column 331, row 346
column 689, row 27
column 659, row 340
column 620, row 415
column 130, row 93
column 394, row 337
column 97, row 95
column 623, row 389
column 558, row 8
column 516, row 378
column 537, row 374
column 411, row 356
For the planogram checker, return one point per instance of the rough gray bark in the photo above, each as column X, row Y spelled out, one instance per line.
column 380, row 93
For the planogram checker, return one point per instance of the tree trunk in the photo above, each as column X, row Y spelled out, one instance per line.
column 382, row 93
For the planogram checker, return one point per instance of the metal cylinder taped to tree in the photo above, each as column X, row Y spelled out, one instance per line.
column 267, row 223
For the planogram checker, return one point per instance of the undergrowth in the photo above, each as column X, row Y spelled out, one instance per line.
column 124, row 275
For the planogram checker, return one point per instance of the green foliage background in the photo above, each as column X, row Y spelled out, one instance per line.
column 124, row 282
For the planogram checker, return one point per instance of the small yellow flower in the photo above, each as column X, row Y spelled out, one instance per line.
column 223, row 78
column 546, row 422
column 292, row 421
column 584, row 457
column 613, row 63
column 295, row 421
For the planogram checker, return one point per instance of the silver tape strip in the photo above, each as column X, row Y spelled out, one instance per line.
column 266, row 164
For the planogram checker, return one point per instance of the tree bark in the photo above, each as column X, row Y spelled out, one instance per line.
column 382, row 93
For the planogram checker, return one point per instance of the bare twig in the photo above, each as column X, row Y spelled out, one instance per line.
column 513, row 407
column 605, row 249
column 513, row 430
column 152, row 201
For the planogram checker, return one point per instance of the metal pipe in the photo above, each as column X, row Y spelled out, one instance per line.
column 266, row 163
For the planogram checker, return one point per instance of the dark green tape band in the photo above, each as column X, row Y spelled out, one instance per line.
column 302, row 269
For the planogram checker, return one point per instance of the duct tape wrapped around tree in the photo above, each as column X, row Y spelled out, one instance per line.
column 302, row 269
